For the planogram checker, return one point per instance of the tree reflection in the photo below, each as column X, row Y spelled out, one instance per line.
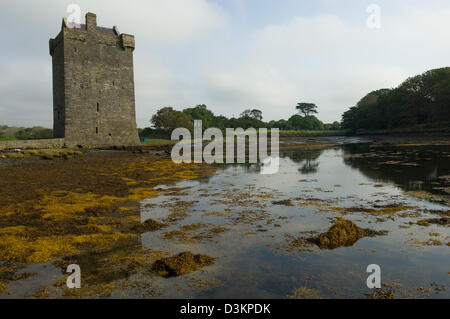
column 411, row 168
column 306, row 158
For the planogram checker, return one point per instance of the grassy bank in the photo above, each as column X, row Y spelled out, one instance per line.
column 305, row 133
column 283, row 133
column 158, row 142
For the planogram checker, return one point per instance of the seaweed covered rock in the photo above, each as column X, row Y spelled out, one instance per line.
column 381, row 294
column 444, row 221
column 183, row 263
column 343, row 233
column 148, row 226
column 286, row 202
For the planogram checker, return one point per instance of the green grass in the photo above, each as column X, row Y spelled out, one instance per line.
column 159, row 142
column 8, row 139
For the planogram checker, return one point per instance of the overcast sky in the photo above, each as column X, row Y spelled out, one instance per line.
column 232, row 54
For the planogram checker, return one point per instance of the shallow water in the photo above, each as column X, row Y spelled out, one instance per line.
column 254, row 256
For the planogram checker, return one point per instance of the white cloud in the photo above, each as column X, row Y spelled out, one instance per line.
column 152, row 21
column 157, row 25
column 25, row 91
column 188, row 52
column 326, row 61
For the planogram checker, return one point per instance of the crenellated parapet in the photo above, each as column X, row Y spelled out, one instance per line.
column 80, row 32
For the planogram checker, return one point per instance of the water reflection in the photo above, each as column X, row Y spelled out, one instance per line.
column 411, row 168
column 307, row 160
column 254, row 256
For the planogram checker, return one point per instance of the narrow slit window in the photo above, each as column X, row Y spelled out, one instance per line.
column 96, row 130
column 98, row 107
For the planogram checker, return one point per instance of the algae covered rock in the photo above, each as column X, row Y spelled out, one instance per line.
column 183, row 263
column 148, row 226
column 343, row 233
column 286, row 202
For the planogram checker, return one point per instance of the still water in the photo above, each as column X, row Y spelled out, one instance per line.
column 234, row 216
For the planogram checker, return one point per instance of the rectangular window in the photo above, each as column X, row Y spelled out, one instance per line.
column 96, row 130
column 98, row 107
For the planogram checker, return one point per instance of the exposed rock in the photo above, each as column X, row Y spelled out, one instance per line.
column 343, row 233
column 183, row 263
column 148, row 226
column 286, row 202
column 382, row 294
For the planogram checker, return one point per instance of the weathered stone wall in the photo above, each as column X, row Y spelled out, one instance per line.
column 32, row 144
column 93, row 87
column 58, row 87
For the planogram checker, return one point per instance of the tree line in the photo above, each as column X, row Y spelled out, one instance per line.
column 167, row 119
column 22, row 133
column 422, row 101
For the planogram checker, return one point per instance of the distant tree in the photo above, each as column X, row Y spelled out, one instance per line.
column 252, row 114
column 168, row 119
column 420, row 101
column 36, row 132
column 256, row 114
column 221, row 122
column 146, row 132
column 298, row 122
column 335, row 125
column 201, row 112
column 281, row 124
column 307, row 109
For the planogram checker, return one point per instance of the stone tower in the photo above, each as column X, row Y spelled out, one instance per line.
column 93, row 85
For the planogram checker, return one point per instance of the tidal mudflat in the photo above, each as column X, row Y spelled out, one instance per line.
column 309, row 231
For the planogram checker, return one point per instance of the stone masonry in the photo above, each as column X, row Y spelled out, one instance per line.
column 93, row 85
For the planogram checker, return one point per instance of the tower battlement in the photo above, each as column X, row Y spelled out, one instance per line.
column 93, row 85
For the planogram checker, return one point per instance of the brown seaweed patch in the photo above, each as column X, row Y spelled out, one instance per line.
column 444, row 221
column 379, row 210
column 444, row 199
column 11, row 275
column 148, row 226
column 381, row 293
column 343, row 233
column 181, row 264
column 286, row 202
column 305, row 293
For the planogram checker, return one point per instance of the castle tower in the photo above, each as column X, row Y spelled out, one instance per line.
column 93, row 85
